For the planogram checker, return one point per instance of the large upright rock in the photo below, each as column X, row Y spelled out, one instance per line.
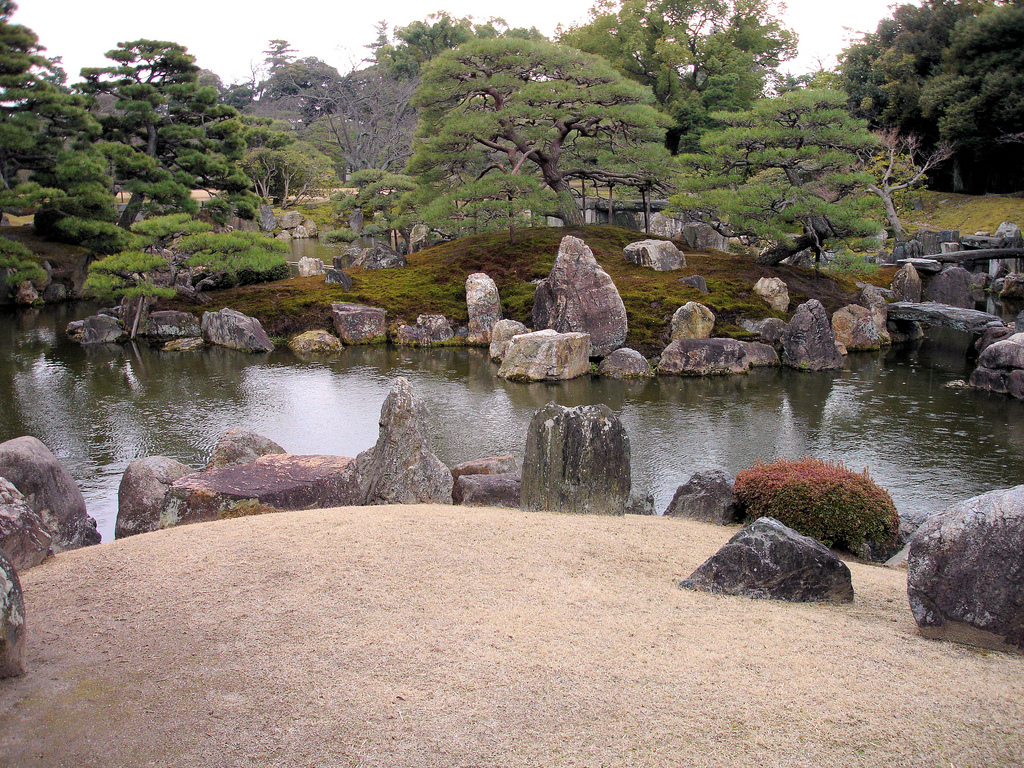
column 140, row 496
column 24, row 537
column 906, row 284
column 768, row 560
column 692, row 321
column 12, row 621
column 854, row 327
column 809, row 343
column 1001, row 367
column 230, row 328
column 268, row 221
column 577, row 460
column 873, row 299
column 578, row 296
column 240, row 446
column 965, row 572
column 702, row 236
column 546, row 356
column 49, row 490
column 359, row 324
column 484, row 308
column 659, row 255
column 402, row 468
column 952, row 286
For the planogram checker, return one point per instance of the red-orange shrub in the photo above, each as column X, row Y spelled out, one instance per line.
column 820, row 499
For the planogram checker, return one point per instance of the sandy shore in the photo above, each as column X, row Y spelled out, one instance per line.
column 447, row 636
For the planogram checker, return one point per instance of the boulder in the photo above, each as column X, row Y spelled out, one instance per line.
column 49, row 490
column 240, row 446
column 770, row 329
column 309, row 267
column 492, row 465
column 1012, row 288
column 707, row 497
column 930, row 313
column 402, row 468
column 165, row 325
column 703, row 237
column 964, row 571
column 501, row 336
column 577, row 460
column 1007, row 354
column 484, row 308
column 429, row 329
column 1001, row 367
column 499, row 490
column 359, row 324
column 1000, row 382
column 289, row 220
column 578, row 296
column 906, row 284
column 55, row 293
column 808, row 343
column 926, row 266
column 381, row 256
column 994, row 334
column 272, row 483
column 774, row 291
column 692, row 321
column 659, row 255
column 102, row 329
column 336, row 276
column 315, row 343
column 230, row 328
column 952, row 287
column 714, row 357
column 419, row 238
column 1011, row 234
column 312, row 230
column 640, row 503
column 27, row 295
column 546, row 356
column 12, row 621
column 854, row 327
column 268, row 221
column 24, row 537
column 140, row 497
column 768, row 560
column 184, row 345
column 873, row 298
column 695, row 281
column 625, row 363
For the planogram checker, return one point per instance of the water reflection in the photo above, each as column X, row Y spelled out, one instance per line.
column 99, row 408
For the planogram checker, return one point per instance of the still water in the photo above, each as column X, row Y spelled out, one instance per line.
column 97, row 409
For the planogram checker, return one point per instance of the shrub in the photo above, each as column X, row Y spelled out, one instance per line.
column 821, row 499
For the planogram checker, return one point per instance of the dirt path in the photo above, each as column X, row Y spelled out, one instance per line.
column 446, row 636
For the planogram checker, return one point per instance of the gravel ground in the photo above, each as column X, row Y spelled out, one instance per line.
column 447, row 636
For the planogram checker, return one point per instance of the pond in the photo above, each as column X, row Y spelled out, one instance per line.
column 98, row 409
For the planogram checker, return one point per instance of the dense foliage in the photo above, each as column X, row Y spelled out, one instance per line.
column 820, row 499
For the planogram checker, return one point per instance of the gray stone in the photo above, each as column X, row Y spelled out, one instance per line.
column 774, row 291
column 12, row 621
column 240, row 446
column 927, row 266
column 355, row 221
column 24, row 537
column 854, row 327
column 714, row 357
column 640, row 503
column 359, row 324
column 1011, row 234
column 930, row 313
column 770, row 329
column 484, row 308
column 1012, row 288
column 501, row 337
column 999, row 381
column 964, row 572
column 429, row 330
column 703, row 237
column 337, row 276
column 578, row 296
column 707, row 497
column 289, row 220
column 230, row 328
column 951, row 287
column 272, row 483
column 310, row 267
column 49, row 490
column 659, row 255
column 419, row 238
column 1006, row 354
column 165, row 325
column 546, row 356
column 402, row 468
column 55, row 293
column 625, row 363
column 310, row 226
column 140, row 496
column 768, row 560
column 268, row 221
column 808, row 343
column 491, row 465
column 695, row 281
column 577, row 460
column 873, row 298
column 102, row 329
column 994, row 334
column 381, row 256
column 692, row 321
column 906, row 284
column 498, row 490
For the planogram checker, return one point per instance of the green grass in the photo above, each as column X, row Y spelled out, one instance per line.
column 966, row 213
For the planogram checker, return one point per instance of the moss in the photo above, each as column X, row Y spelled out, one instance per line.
column 245, row 508
column 966, row 213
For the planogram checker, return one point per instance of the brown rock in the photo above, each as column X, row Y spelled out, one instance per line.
column 854, row 327
column 359, row 324
column 140, row 496
column 500, row 490
column 24, row 537
column 906, row 284
column 692, row 321
column 492, row 465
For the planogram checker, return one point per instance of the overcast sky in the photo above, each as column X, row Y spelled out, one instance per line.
column 228, row 36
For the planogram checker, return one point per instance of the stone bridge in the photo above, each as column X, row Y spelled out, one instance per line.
column 930, row 313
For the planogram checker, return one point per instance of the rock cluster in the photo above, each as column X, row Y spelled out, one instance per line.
column 428, row 331
column 140, row 496
column 1001, row 367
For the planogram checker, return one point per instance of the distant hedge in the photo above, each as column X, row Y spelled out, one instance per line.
column 820, row 499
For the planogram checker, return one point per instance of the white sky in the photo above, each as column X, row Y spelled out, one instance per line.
column 228, row 36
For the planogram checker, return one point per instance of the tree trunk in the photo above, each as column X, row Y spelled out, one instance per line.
column 777, row 253
column 611, row 206
column 647, row 210
column 131, row 210
column 567, row 209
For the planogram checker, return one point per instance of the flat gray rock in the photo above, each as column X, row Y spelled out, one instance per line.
column 930, row 313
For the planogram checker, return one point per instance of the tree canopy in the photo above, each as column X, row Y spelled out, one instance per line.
column 785, row 174
column 510, row 106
